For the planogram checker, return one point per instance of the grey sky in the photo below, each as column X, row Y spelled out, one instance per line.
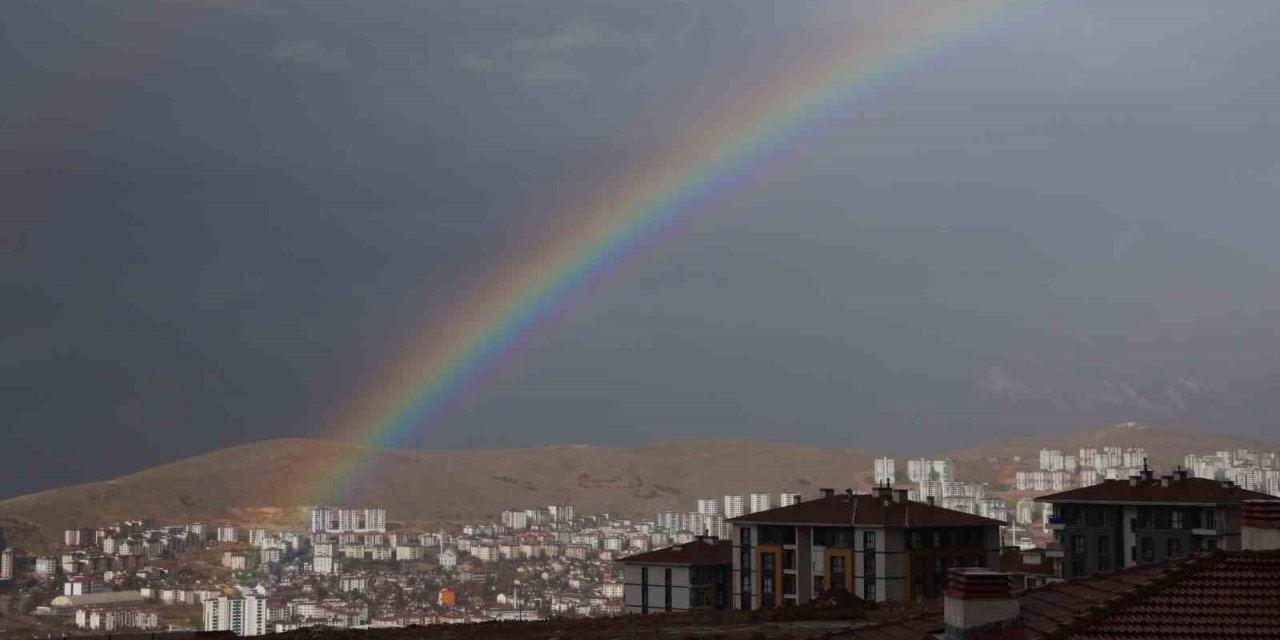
column 223, row 219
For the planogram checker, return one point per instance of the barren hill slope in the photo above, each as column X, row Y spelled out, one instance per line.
column 272, row 482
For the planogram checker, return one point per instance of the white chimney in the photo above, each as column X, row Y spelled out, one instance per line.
column 979, row 602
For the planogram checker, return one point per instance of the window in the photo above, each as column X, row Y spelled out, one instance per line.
column 1210, row 519
column 644, row 589
column 837, row 572
column 1108, row 517
column 666, row 589
column 744, row 536
column 1174, row 547
column 1148, row 550
column 1104, row 553
column 789, row 585
column 789, row 559
column 869, row 540
column 1093, row 516
column 768, row 562
column 915, row 540
column 918, row 578
column 1147, row 518
column 869, row 590
column 977, row 561
column 1175, row 519
column 1078, row 545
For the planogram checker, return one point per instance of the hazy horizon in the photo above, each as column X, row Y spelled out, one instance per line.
column 230, row 219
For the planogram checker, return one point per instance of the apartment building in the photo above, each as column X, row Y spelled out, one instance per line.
column 788, row 499
column 709, row 506
column 880, row 547
column 760, row 502
column 691, row 576
column 884, row 471
column 925, row 469
column 1142, row 520
column 734, row 506
column 243, row 616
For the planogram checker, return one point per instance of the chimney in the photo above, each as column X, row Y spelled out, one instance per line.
column 1165, row 481
column 884, row 491
column 1181, row 473
column 826, row 493
column 930, row 500
column 1133, row 481
column 1260, row 525
column 980, row 603
column 900, row 496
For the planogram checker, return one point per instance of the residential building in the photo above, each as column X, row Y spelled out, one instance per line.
column 759, row 502
column 734, row 506
column 922, row 469
column 687, row 577
column 228, row 533
column 884, row 471
column 349, row 519
column 1142, row 520
column 241, row 615
column 788, row 499
column 6, row 562
column 708, row 506
column 375, row 519
column 879, row 547
column 321, row 519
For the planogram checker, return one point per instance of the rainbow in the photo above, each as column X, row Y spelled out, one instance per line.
column 632, row 212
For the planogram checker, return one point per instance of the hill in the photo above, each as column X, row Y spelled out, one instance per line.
column 272, row 482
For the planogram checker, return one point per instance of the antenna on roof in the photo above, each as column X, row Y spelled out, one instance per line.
column 848, row 494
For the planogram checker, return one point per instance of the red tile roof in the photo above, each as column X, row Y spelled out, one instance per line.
column 701, row 552
column 1190, row 490
column 1222, row 594
column 864, row 510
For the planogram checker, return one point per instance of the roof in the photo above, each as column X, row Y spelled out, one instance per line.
column 700, row 552
column 1189, row 490
column 1221, row 594
column 105, row 597
column 866, row 510
column 1014, row 560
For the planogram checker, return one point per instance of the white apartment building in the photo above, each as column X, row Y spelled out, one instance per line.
column 375, row 519
column 349, row 519
column 6, row 564
column 256, row 536
column 241, row 615
column 46, row 565
column 325, row 565
column 228, row 533
column 560, row 512
column 708, row 506
column 321, row 519
column 760, row 502
column 669, row 521
column 517, row 519
column 884, row 471
column 734, row 506
column 788, row 499
column 922, row 469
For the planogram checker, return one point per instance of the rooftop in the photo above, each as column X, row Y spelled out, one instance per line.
column 866, row 510
column 1221, row 594
column 1158, row 491
column 700, row 552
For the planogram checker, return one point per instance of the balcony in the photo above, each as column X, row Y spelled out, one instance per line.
column 1057, row 523
column 1054, row 551
column 1207, row 531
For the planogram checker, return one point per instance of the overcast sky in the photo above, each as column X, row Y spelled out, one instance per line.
column 221, row 219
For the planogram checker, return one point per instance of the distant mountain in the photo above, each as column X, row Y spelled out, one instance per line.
column 272, row 482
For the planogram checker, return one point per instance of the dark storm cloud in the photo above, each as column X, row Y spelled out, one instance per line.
column 224, row 220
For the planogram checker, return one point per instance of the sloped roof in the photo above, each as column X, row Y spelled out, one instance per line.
column 1190, row 490
column 1221, row 594
column 701, row 552
column 868, row 511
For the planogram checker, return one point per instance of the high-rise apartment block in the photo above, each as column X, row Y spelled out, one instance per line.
column 884, row 471
column 734, row 506
column 923, row 469
column 708, row 506
column 788, row 499
column 760, row 502
column 243, row 616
